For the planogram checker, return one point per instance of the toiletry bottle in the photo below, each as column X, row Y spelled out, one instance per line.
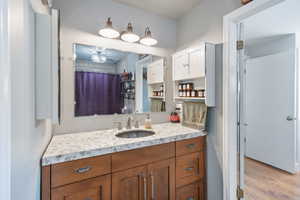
column 148, row 122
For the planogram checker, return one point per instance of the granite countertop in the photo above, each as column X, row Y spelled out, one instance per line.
column 76, row 146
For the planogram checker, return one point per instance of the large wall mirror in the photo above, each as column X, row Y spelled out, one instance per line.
column 109, row 81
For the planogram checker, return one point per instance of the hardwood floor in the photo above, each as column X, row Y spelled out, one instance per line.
column 263, row 182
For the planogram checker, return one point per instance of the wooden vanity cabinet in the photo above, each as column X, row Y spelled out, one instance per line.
column 194, row 191
column 130, row 184
column 91, row 189
column 149, row 182
column 172, row 171
column 161, row 180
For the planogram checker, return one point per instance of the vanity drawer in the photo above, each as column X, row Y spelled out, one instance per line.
column 189, row 168
column 73, row 171
column 194, row 191
column 137, row 157
column 190, row 145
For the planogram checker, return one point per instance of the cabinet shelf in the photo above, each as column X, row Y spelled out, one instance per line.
column 196, row 65
column 156, row 97
column 156, row 83
column 190, row 98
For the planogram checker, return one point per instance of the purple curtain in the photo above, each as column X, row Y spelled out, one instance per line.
column 97, row 93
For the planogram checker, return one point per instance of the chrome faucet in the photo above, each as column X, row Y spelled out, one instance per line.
column 129, row 123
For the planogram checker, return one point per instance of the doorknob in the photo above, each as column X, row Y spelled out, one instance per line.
column 290, row 118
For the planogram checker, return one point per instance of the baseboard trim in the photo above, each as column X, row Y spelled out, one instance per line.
column 297, row 167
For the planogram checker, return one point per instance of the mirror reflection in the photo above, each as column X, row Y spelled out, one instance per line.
column 109, row 81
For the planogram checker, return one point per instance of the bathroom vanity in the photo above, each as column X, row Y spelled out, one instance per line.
column 168, row 165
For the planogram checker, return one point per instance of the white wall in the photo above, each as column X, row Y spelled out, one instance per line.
column 90, row 15
column 204, row 22
column 269, row 45
column 80, row 22
column 5, row 104
column 29, row 137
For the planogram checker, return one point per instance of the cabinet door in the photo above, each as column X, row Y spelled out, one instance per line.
column 193, row 191
column 150, row 74
column 91, row 189
column 130, row 184
column 161, row 180
column 156, row 72
column 180, row 66
column 197, row 62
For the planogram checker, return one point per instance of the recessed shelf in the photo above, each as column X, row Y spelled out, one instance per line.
column 156, row 97
column 157, row 83
column 190, row 98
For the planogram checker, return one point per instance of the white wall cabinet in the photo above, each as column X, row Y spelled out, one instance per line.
column 197, row 59
column 197, row 65
column 155, row 72
column 47, row 66
column 180, row 66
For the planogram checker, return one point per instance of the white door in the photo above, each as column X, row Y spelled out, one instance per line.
column 180, row 66
column 271, row 110
column 197, row 62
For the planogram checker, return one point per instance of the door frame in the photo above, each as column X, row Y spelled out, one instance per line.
column 142, row 62
column 230, row 59
column 5, row 103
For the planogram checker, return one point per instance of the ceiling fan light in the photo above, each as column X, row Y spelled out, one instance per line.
column 102, row 59
column 129, row 36
column 108, row 31
column 95, row 58
column 148, row 39
column 98, row 59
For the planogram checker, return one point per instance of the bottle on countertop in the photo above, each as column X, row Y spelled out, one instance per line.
column 148, row 123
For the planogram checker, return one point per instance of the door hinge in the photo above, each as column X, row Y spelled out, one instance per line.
column 165, row 62
column 240, row 193
column 240, row 44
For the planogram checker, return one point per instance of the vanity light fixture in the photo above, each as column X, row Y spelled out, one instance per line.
column 108, row 31
column 129, row 36
column 148, row 39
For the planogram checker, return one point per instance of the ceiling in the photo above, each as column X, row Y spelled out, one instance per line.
column 279, row 20
column 85, row 52
column 169, row 8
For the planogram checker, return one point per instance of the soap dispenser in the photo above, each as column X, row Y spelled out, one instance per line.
column 148, row 124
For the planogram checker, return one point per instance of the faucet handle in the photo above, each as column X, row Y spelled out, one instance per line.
column 119, row 125
column 136, row 125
